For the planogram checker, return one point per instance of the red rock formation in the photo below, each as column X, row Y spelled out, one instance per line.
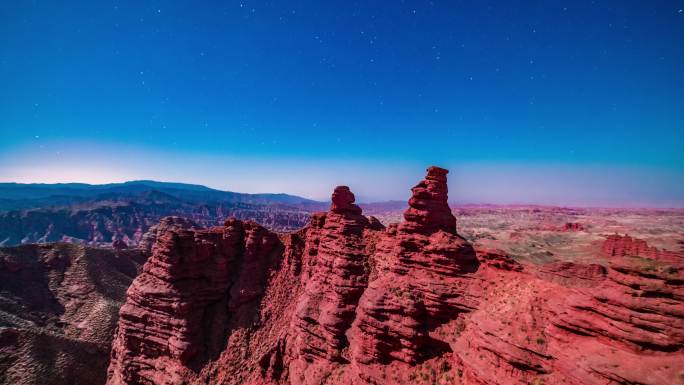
column 578, row 324
column 299, row 333
column 497, row 259
column 428, row 209
column 572, row 226
column 572, row 274
column 175, row 317
column 419, row 284
column 327, row 306
column 165, row 224
column 623, row 245
column 343, row 301
column 640, row 306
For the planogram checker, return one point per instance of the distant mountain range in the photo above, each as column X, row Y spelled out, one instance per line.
column 15, row 196
column 100, row 214
column 97, row 215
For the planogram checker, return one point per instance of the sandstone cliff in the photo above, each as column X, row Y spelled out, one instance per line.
column 346, row 301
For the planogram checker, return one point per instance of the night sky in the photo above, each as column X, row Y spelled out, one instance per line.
column 572, row 102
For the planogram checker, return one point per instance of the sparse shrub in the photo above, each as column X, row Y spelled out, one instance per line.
column 445, row 366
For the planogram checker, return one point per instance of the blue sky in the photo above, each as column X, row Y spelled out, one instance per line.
column 573, row 102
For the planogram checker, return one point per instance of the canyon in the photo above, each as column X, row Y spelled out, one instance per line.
column 99, row 215
column 59, row 306
column 436, row 295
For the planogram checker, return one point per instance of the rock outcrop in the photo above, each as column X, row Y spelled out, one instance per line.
column 497, row 259
column 572, row 274
column 572, row 226
column 148, row 239
column 176, row 316
column 623, row 245
column 327, row 306
column 579, row 324
column 420, row 283
column 346, row 301
column 428, row 208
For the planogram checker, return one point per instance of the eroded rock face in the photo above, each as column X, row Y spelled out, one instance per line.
column 579, row 324
column 327, row 306
column 59, row 306
column 165, row 224
column 428, row 208
column 419, row 285
column 345, row 301
column 643, row 302
column 573, row 274
column 175, row 318
column 497, row 259
column 623, row 245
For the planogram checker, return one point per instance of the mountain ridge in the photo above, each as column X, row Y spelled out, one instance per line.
column 22, row 194
column 98, row 215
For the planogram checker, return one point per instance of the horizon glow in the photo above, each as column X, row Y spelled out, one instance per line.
column 575, row 104
column 478, row 183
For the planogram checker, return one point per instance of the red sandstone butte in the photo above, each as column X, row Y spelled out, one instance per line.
column 346, row 301
column 623, row 245
column 572, row 226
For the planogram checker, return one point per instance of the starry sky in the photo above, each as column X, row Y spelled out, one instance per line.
column 553, row 102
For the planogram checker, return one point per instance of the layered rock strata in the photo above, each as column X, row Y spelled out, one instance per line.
column 624, row 246
column 579, row 324
column 176, row 315
column 420, row 283
column 327, row 306
column 345, row 301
